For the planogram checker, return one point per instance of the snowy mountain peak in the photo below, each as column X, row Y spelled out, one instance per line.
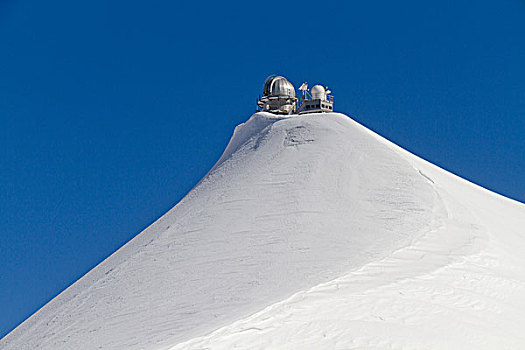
column 310, row 231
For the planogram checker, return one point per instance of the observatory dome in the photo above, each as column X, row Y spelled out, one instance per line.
column 318, row 92
column 278, row 86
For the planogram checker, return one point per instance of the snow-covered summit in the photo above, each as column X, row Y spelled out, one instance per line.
column 310, row 231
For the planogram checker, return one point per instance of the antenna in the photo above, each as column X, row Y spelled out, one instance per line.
column 304, row 88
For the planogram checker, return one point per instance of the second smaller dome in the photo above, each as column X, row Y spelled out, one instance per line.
column 318, row 92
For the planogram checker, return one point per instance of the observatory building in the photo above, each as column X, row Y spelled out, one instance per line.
column 317, row 100
column 278, row 96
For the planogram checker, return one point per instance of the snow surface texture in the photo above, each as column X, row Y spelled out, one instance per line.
column 310, row 232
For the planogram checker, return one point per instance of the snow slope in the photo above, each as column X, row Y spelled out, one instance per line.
column 310, row 232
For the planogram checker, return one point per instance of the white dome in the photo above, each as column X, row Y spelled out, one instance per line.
column 278, row 86
column 318, row 92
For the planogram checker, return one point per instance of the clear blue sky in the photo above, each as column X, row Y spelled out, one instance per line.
column 110, row 111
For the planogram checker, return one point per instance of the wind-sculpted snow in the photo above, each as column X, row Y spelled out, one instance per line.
column 309, row 232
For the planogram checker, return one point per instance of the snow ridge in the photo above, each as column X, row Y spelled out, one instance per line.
column 310, row 232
